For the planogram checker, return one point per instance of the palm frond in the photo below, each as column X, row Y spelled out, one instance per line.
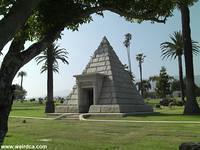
column 58, row 54
column 55, row 68
column 43, row 68
column 21, row 73
column 174, row 48
column 195, row 47
column 40, row 60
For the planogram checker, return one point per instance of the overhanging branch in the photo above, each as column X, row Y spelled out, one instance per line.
column 15, row 19
column 134, row 16
column 36, row 48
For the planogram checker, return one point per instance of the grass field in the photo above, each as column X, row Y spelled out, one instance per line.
column 29, row 109
column 81, row 135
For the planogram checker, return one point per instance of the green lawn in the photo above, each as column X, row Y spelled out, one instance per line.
column 163, row 114
column 77, row 135
column 81, row 135
column 29, row 109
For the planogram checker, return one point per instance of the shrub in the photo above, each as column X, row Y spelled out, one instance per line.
column 40, row 100
column 32, row 99
column 165, row 101
column 179, row 103
column 157, row 106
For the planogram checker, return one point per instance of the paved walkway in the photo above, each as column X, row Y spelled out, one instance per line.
column 82, row 118
column 39, row 118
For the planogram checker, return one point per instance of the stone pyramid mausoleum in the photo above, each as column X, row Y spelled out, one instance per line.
column 104, row 87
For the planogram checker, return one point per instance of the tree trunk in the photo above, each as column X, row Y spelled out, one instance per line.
column 15, row 19
column 141, row 84
column 5, row 107
column 7, row 72
column 129, row 59
column 50, row 108
column 191, row 106
column 21, row 82
column 181, row 78
column 11, row 64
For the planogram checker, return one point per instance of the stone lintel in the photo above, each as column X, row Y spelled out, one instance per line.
column 89, row 76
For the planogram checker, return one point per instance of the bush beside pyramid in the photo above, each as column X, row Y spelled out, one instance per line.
column 104, row 86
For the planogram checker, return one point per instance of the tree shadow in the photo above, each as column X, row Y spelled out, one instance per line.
column 21, row 109
column 157, row 115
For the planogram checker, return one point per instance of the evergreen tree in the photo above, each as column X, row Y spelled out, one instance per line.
column 163, row 83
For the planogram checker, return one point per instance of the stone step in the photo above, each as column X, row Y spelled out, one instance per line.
column 66, row 109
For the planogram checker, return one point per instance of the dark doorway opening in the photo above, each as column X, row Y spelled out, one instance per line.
column 87, row 100
column 90, row 96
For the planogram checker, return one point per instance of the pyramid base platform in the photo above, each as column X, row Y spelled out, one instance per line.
column 67, row 109
column 105, row 109
column 120, row 108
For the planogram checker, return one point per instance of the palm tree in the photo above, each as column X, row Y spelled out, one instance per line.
column 128, row 37
column 191, row 106
column 146, row 87
column 140, row 58
column 50, row 57
column 175, row 49
column 22, row 74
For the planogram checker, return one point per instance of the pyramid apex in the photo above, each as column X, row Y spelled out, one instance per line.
column 105, row 40
column 104, row 46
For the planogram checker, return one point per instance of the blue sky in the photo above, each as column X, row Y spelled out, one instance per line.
column 146, row 38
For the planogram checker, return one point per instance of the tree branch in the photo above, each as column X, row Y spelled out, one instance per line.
column 36, row 48
column 15, row 19
column 134, row 16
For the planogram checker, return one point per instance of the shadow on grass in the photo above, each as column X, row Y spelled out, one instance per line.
column 26, row 105
column 22, row 109
column 159, row 115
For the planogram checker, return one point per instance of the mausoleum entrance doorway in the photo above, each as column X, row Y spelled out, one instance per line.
column 87, row 99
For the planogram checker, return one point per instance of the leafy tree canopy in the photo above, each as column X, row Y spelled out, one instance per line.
column 51, row 15
column 185, row 2
column 5, row 5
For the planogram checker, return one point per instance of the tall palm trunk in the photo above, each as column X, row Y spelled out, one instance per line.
column 141, row 84
column 181, row 78
column 21, row 82
column 129, row 58
column 191, row 106
column 50, row 108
